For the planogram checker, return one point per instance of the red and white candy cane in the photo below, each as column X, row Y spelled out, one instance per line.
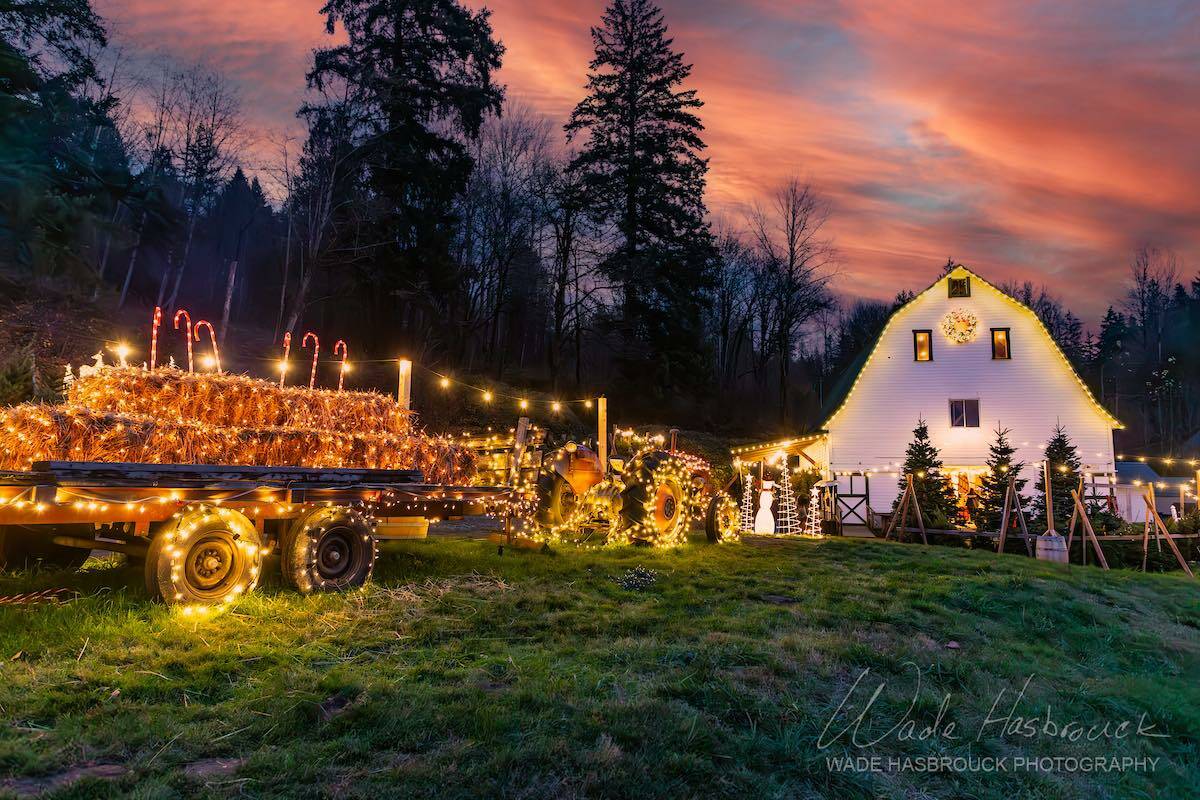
column 187, row 333
column 212, row 337
column 312, row 377
column 345, row 354
column 154, row 336
column 283, row 365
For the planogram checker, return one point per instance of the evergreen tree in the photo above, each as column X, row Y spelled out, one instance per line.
column 418, row 84
column 642, row 172
column 923, row 461
column 1064, row 477
column 61, row 169
column 995, row 482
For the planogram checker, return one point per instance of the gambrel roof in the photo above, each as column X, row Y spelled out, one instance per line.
column 844, row 388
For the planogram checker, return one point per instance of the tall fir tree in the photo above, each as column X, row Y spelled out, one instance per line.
column 923, row 461
column 642, row 172
column 994, row 485
column 415, row 78
column 1064, row 465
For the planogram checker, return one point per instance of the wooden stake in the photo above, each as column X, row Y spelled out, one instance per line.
column 1162, row 529
column 1088, row 532
column 907, row 500
column 1004, row 515
column 1012, row 504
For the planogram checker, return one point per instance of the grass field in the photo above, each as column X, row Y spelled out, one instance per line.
column 461, row 673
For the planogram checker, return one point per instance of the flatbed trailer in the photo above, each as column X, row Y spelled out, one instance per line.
column 202, row 531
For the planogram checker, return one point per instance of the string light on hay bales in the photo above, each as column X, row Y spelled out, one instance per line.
column 341, row 343
column 122, row 352
column 213, row 360
column 157, row 320
column 187, row 335
column 312, row 376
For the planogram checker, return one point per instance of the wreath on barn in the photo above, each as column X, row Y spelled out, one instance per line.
column 960, row 326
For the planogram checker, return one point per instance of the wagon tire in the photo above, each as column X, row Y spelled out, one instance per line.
column 22, row 547
column 722, row 520
column 328, row 550
column 205, row 557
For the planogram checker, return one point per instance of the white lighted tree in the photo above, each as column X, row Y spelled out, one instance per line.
column 787, row 521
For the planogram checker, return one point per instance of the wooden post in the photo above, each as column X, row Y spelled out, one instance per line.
column 404, row 386
column 602, row 431
column 1004, row 515
column 518, row 451
column 1049, row 497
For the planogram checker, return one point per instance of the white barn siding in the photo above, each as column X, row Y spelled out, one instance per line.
column 1028, row 394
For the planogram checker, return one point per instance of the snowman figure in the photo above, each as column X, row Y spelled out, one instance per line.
column 764, row 520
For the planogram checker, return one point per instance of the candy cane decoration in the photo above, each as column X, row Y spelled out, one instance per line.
column 212, row 337
column 154, row 336
column 188, row 334
column 345, row 354
column 283, row 365
column 312, row 378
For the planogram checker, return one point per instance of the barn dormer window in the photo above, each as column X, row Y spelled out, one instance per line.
column 964, row 413
column 1001, row 346
column 923, row 345
column 960, row 287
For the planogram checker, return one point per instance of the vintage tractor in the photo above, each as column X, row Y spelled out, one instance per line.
column 651, row 498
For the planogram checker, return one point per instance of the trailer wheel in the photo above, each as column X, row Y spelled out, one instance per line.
column 206, row 556
column 654, row 508
column 329, row 549
column 25, row 546
column 723, row 520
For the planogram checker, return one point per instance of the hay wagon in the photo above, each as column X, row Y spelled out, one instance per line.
column 202, row 531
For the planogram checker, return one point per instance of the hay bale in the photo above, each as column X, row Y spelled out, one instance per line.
column 237, row 401
column 34, row 432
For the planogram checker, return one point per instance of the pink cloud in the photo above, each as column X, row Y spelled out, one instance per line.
column 1039, row 142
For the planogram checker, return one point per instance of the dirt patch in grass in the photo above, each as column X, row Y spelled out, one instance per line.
column 37, row 787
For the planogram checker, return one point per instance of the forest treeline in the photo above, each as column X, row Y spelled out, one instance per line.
column 423, row 211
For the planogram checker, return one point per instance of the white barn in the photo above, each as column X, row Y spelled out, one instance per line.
column 966, row 358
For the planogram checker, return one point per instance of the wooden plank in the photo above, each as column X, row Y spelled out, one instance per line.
column 141, row 472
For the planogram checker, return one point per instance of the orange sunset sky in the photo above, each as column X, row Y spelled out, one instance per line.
column 1030, row 140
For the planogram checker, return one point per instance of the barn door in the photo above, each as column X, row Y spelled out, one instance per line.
column 853, row 504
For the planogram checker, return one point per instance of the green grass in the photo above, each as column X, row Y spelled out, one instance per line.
column 460, row 673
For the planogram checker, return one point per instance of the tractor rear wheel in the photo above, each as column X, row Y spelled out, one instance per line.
column 557, row 501
column 25, row 546
column 328, row 550
column 654, row 508
column 206, row 557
